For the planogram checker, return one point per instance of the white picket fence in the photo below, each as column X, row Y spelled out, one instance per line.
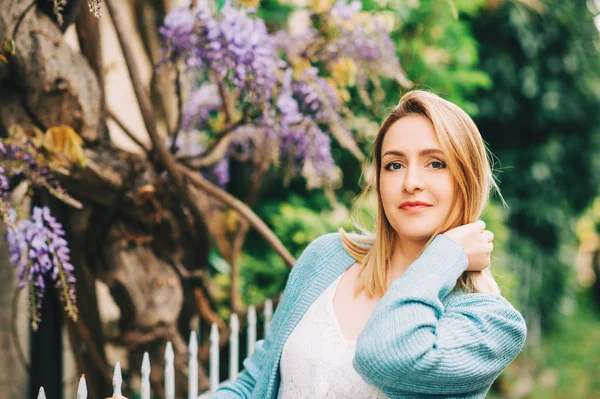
column 193, row 360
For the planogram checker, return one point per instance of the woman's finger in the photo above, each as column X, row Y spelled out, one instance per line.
column 480, row 224
column 489, row 236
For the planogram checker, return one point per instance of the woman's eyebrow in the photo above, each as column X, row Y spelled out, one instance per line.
column 428, row 151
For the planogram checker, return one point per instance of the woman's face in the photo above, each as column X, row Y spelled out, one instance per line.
column 413, row 169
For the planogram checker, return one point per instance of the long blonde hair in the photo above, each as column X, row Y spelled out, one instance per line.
column 468, row 162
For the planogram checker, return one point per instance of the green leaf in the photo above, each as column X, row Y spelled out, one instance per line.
column 9, row 46
column 219, row 263
column 220, row 4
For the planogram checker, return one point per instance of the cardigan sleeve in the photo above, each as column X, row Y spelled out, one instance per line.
column 245, row 382
column 412, row 344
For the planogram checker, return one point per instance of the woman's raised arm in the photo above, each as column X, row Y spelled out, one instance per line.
column 412, row 344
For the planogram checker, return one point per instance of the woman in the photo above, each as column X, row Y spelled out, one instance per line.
column 411, row 311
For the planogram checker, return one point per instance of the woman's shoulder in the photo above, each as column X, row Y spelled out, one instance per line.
column 325, row 240
column 320, row 244
column 329, row 242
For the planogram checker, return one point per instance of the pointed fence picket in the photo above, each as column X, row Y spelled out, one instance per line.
column 214, row 361
column 82, row 388
column 117, row 380
column 145, row 384
column 193, row 366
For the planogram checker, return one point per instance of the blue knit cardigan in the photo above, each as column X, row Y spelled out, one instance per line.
column 423, row 340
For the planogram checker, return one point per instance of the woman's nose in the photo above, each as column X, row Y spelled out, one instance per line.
column 413, row 180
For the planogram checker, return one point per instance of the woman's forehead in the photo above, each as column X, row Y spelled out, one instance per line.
column 411, row 135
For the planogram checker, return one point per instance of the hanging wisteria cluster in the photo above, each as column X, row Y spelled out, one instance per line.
column 3, row 184
column 296, row 105
column 22, row 159
column 39, row 251
column 359, row 38
column 37, row 245
column 3, row 195
column 301, row 108
column 235, row 46
column 202, row 101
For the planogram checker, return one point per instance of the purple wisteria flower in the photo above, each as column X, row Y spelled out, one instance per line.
column 4, row 205
column 342, row 10
column 221, row 171
column 234, row 48
column 179, row 30
column 237, row 47
column 38, row 248
column 366, row 42
column 300, row 136
column 320, row 153
column 294, row 40
column 202, row 101
column 356, row 39
column 289, row 110
column 312, row 92
column 22, row 162
column 22, row 156
column 312, row 155
column 3, row 183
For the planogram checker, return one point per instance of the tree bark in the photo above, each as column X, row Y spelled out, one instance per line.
column 41, row 74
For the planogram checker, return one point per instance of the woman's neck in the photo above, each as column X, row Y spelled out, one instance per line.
column 405, row 253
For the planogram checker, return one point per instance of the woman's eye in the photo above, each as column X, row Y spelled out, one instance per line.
column 438, row 165
column 393, row 166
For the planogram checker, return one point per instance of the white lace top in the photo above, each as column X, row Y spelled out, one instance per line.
column 317, row 360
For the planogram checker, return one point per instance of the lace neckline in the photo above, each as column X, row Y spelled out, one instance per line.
column 331, row 310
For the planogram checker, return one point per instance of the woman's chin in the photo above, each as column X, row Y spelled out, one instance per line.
column 416, row 236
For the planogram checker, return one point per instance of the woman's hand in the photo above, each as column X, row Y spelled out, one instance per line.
column 476, row 241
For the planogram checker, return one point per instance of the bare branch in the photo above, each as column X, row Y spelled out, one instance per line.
column 243, row 227
column 225, row 101
column 125, row 34
column 178, row 94
column 217, row 151
column 132, row 339
column 126, row 130
column 205, row 310
column 88, row 34
column 185, row 274
column 215, row 154
column 224, row 197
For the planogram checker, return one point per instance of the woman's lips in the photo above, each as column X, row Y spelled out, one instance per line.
column 414, row 208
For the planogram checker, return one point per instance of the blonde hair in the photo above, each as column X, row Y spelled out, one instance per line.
column 468, row 162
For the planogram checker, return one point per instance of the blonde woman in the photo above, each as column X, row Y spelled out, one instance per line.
column 411, row 310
